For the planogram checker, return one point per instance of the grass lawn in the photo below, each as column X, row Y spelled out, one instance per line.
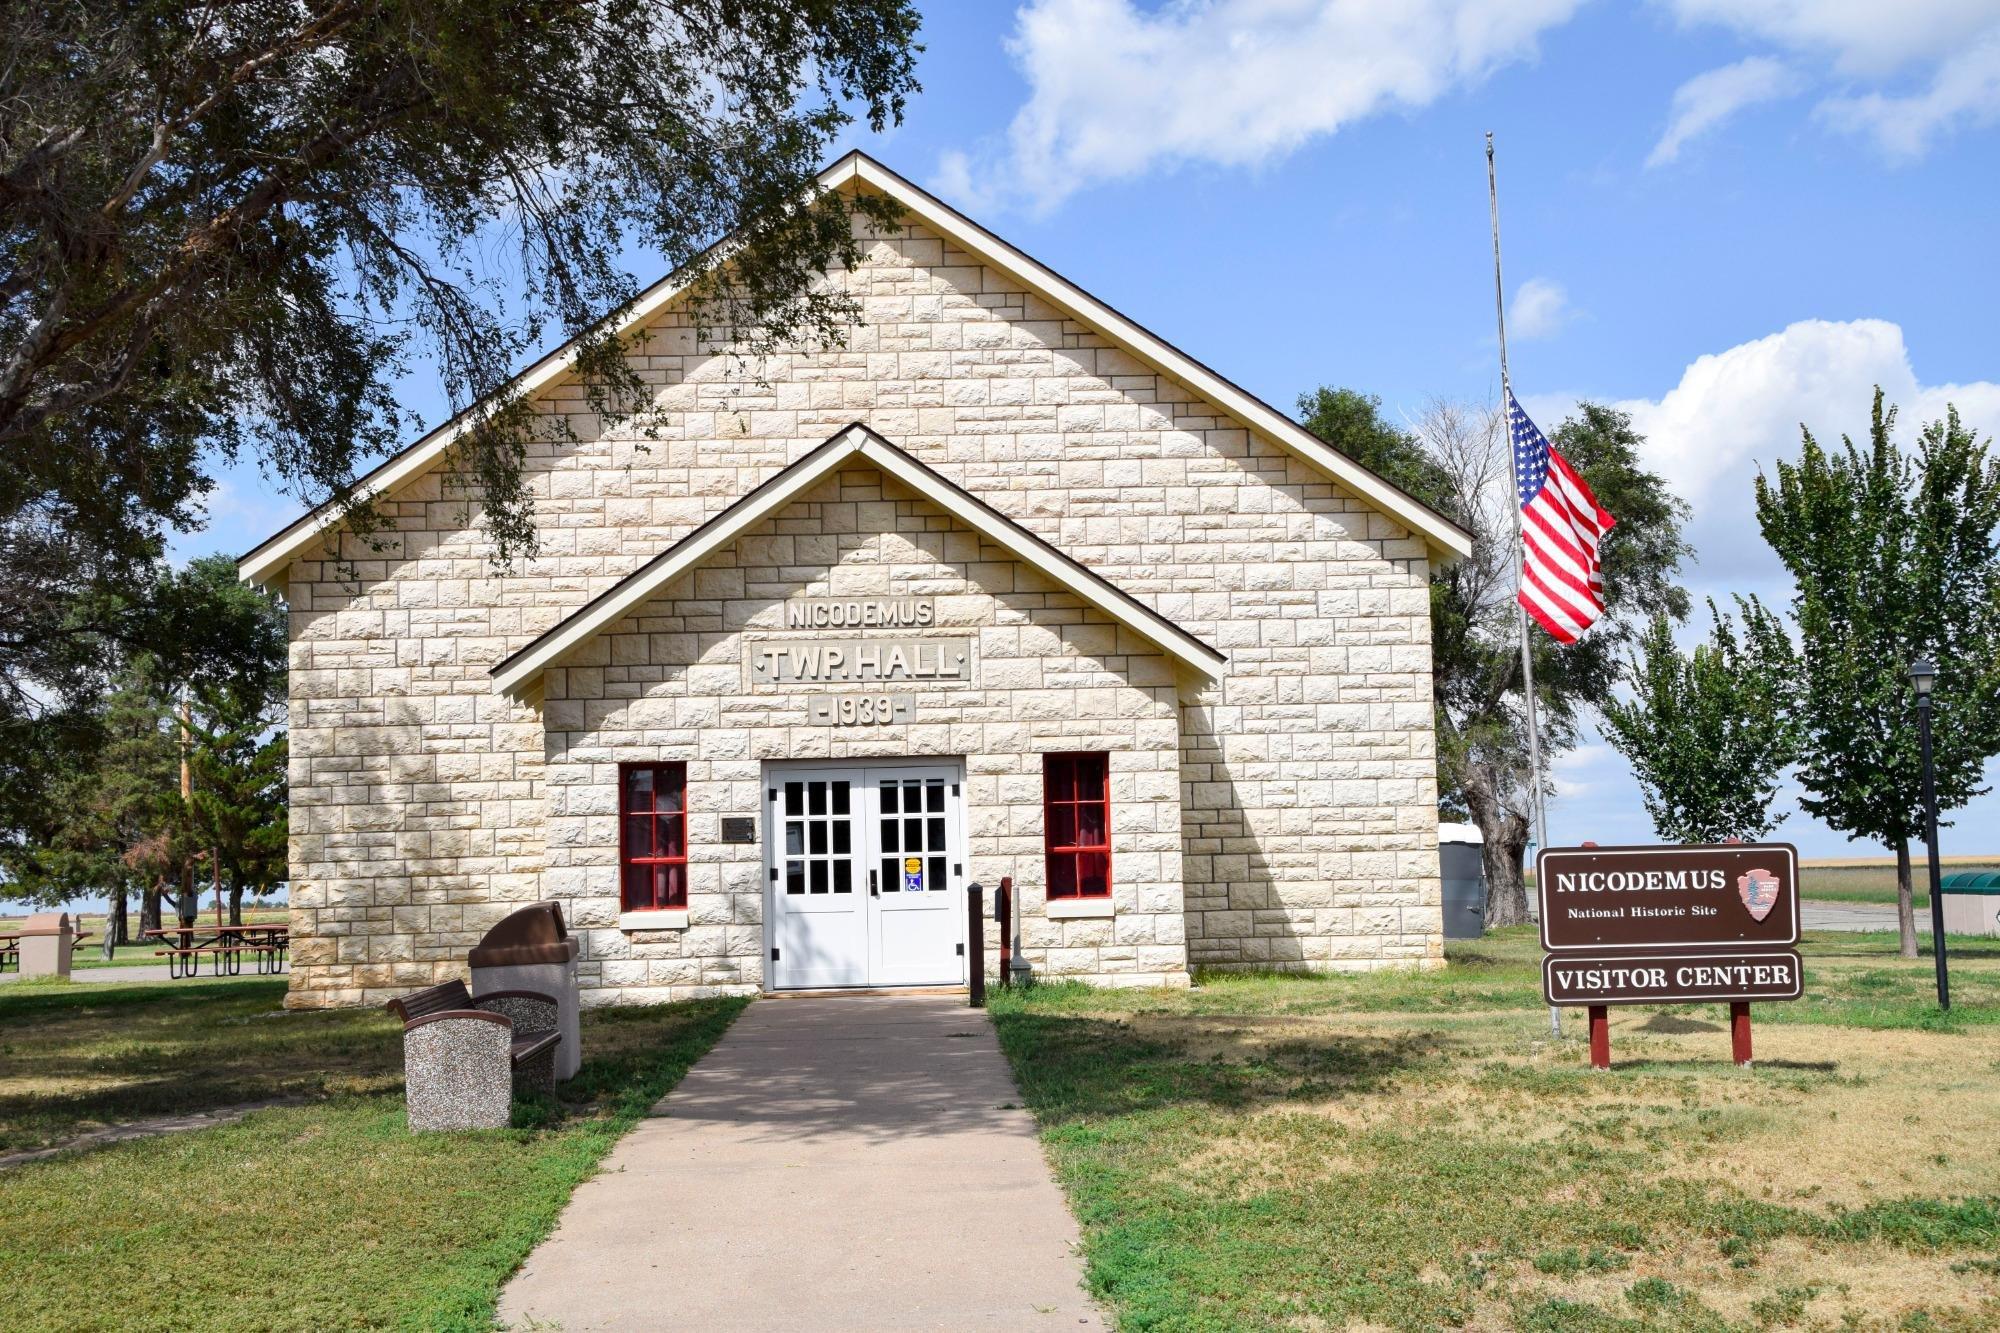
column 1412, row 1150
column 324, row 1214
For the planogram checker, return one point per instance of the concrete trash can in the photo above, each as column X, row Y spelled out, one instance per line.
column 46, row 942
column 532, row 950
column 1462, row 866
column 1971, row 903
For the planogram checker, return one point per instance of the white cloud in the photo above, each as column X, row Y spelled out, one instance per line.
column 1706, row 100
column 1735, row 409
column 1738, row 411
column 1539, row 308
column 1868, row 38
column 1117, row 90
column 1965, row 91
column 1953, row 44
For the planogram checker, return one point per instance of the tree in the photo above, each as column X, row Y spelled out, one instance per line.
column 228, row 229
column 106, row 814
column 1456, row 461
column 1352, row 423
column 1894, row 557
column 1709, row 732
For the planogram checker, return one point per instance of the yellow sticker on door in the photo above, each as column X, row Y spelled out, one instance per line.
column 913, row 874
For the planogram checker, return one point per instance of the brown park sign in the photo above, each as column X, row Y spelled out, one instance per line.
column 1738, row 896
column 1671, row 978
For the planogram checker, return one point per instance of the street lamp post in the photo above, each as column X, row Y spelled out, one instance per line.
column 1922, row 672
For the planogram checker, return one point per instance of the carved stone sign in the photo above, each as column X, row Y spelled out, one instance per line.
column 1671, row 978
column 860, row 661
column 1608, row 899
column 850, row 710
column 860, row 613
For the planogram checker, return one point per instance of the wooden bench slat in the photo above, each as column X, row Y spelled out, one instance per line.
column 532, row 1044
column 435, row 999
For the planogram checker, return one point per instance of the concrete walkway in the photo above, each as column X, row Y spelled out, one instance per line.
column 833, row 1164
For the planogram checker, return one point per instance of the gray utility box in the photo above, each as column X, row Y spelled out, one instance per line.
column 532, row 950
column 1462, row 865
column 46, row 942
column 1971, row 903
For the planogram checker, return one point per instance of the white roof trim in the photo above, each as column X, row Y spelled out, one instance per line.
column 267, row 561
column 518, row 675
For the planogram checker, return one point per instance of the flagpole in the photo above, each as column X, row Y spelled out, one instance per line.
column 1535, row 802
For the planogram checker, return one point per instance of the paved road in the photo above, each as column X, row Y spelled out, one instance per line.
column 94, row 975
column 1851, row 916
column 833, row 1164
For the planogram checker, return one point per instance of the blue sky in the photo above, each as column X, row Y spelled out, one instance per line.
column 1728, row 216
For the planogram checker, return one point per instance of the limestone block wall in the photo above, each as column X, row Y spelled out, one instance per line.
column 1307, row 779
column 669, row 684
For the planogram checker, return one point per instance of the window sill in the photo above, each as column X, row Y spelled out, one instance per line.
column 675, row 918
column 1070, row 909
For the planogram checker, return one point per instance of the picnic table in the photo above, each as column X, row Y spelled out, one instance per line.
column 266, row 942
column 10, row 952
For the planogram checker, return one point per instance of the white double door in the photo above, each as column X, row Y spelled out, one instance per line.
column 865, row 868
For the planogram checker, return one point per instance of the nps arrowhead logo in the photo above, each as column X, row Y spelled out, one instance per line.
column 1759, row 891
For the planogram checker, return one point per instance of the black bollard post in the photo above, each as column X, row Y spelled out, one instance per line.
column 975, row 945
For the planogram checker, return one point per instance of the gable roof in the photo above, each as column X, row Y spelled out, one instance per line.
column 517, row 674
column 1447, row 540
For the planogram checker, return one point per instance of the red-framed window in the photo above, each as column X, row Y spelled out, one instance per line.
column 1076, row 824
column 652, row 836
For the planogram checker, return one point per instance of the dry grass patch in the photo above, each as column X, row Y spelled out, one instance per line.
column 1253, row 1156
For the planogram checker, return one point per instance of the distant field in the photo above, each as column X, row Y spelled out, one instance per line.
column 1875, row 882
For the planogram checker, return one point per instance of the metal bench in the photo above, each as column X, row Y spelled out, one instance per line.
column 463, row 1059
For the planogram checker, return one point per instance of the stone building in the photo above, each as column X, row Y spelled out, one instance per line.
column 1003, row 586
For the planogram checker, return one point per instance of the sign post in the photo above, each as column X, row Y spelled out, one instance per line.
column 1669, row 925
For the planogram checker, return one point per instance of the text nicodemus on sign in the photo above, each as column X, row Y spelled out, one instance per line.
column 1623, row 898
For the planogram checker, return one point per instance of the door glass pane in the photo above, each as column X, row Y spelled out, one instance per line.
column 638, row 835
column 843, row 877
column 913, row 835
column 795, row 798
column 795, row 837
column 795, row 877
column 840, row 798
column 892, row 874
column 818, row 876
column 889, row 790
column 1090, row 824
column 1062, row 778
column 935, row 879
column 670, row 886
column 890, row 842
column 816, row 798
column 843, row 837
column 934, row 795
column 937, row 835
column 817, row 841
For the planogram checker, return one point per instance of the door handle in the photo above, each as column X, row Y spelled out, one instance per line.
column 873, row 891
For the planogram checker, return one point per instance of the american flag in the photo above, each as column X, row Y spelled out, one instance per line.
column 1562, row 586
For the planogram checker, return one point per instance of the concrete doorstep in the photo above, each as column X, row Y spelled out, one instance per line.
column 833, row 1164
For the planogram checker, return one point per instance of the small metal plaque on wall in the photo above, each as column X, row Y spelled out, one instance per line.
column 739, row 829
